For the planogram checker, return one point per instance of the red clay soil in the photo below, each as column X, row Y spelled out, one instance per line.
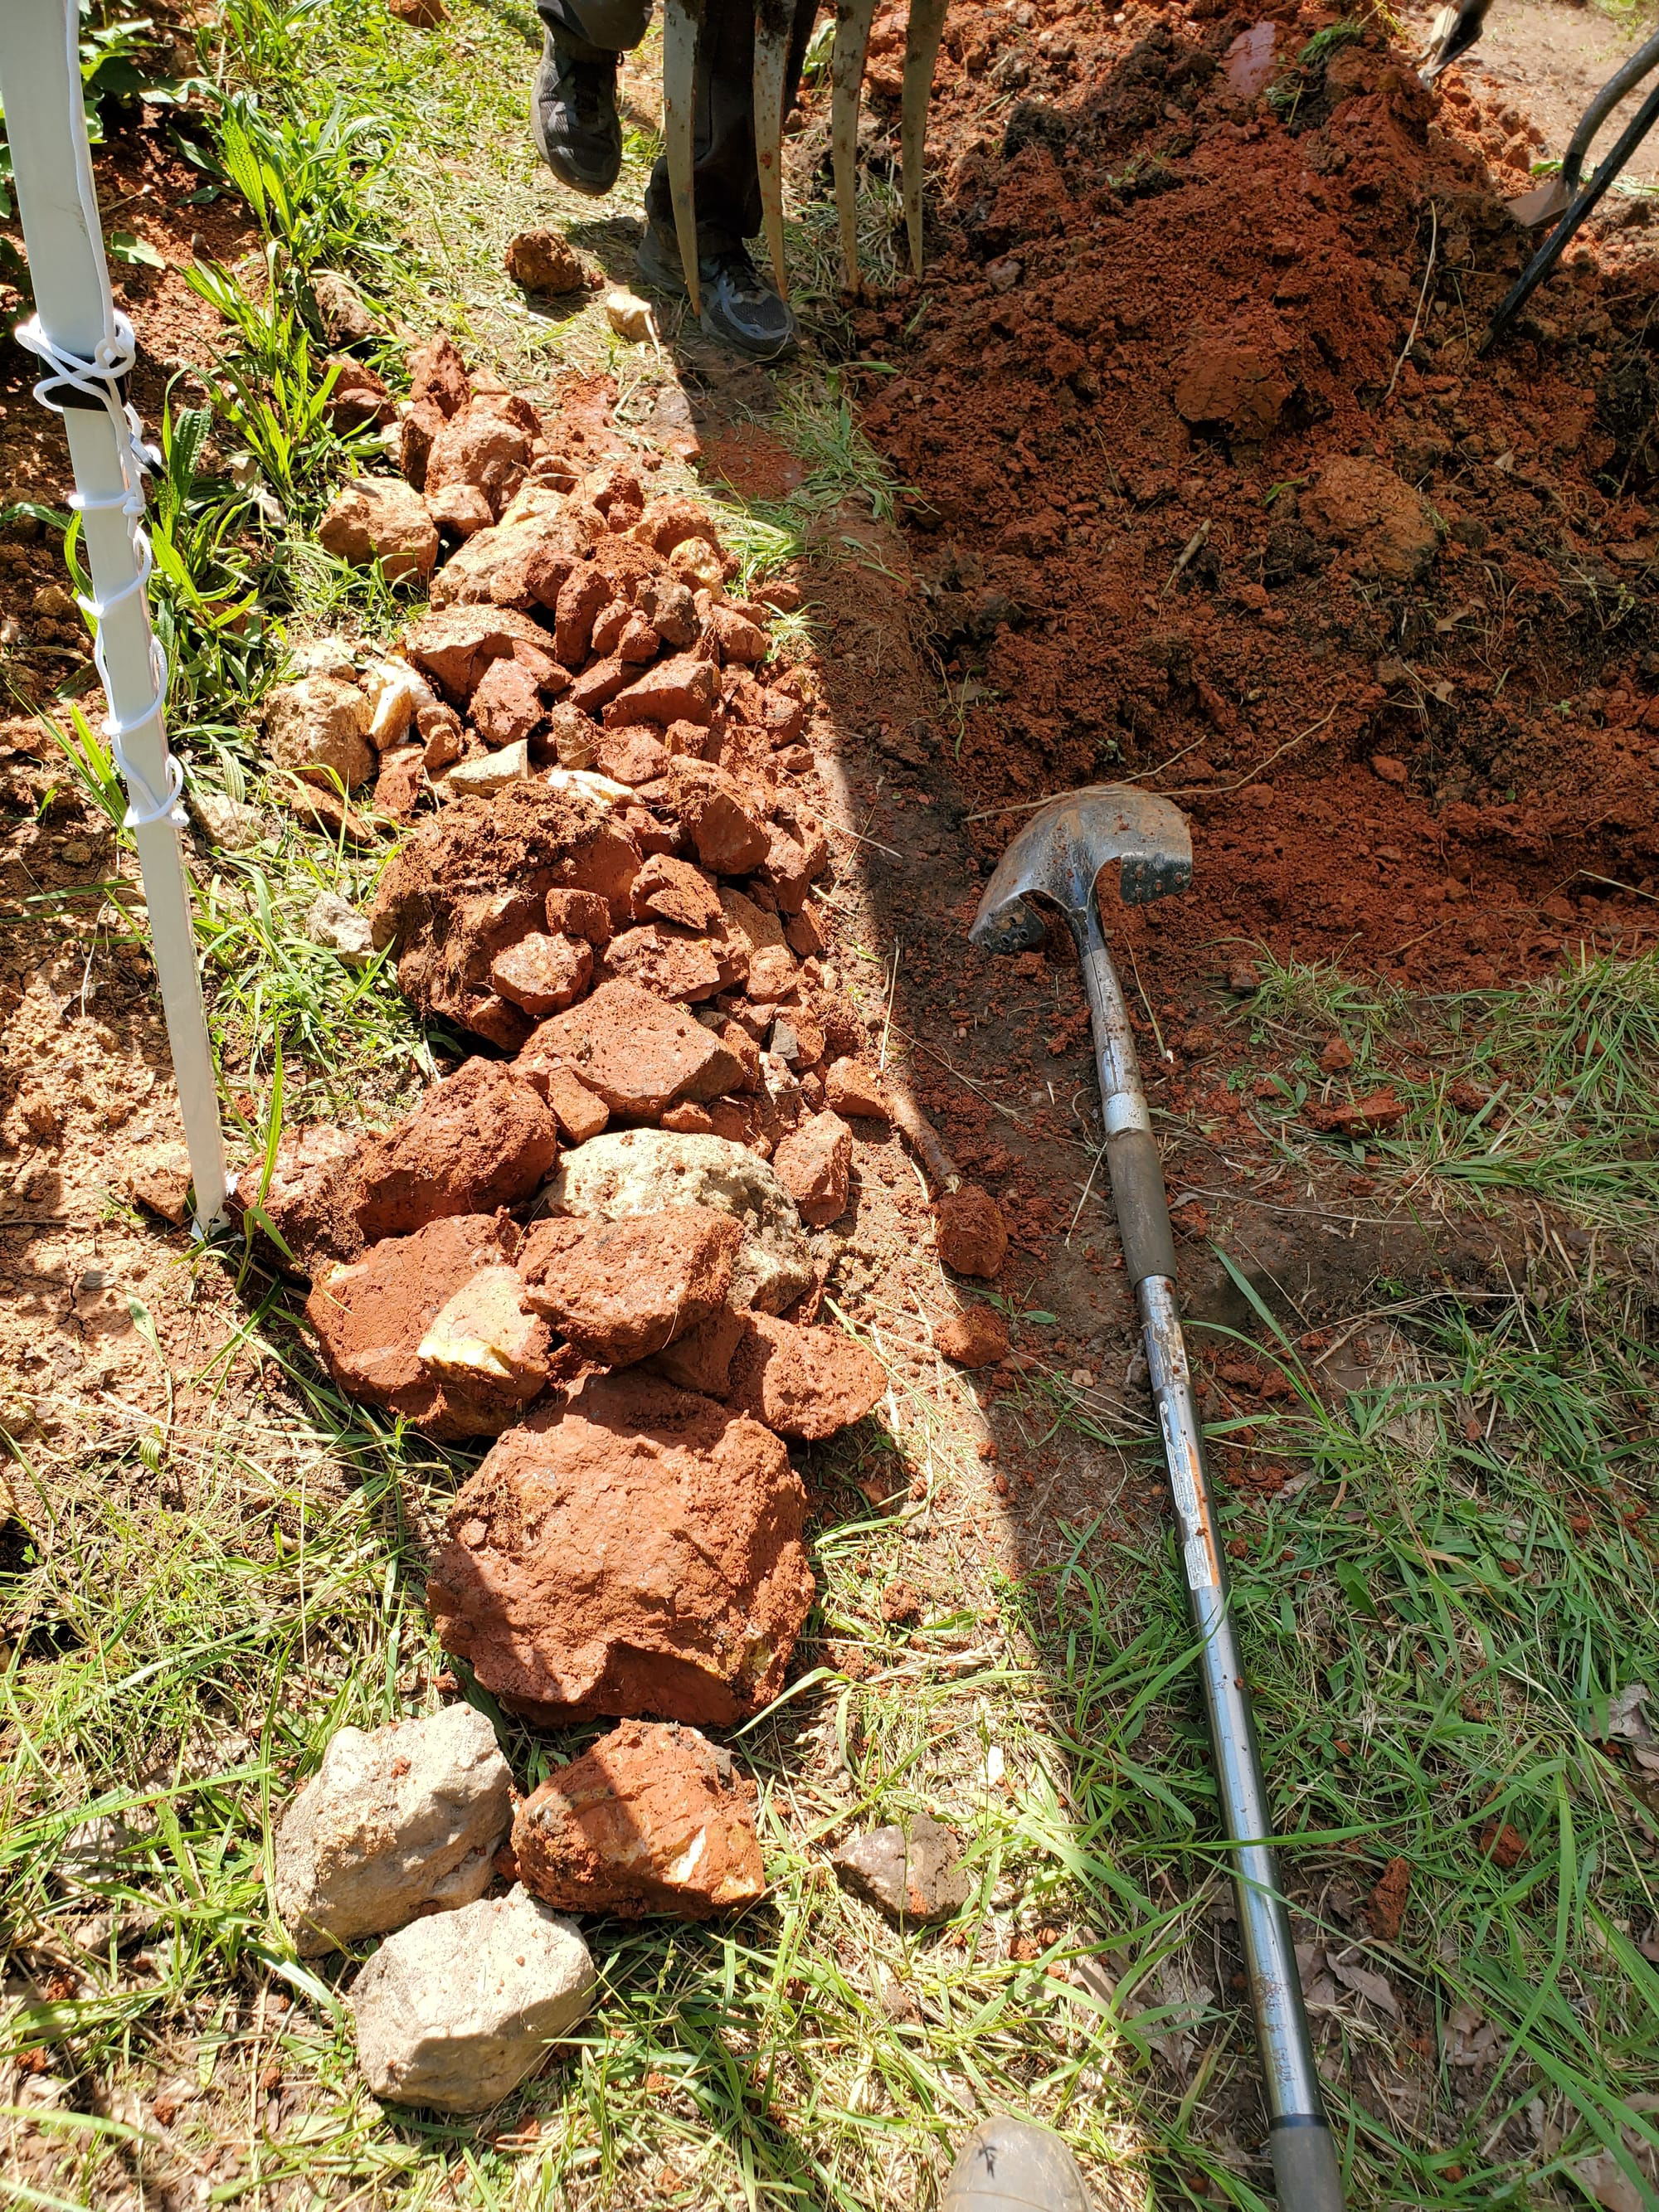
column 1192, row 502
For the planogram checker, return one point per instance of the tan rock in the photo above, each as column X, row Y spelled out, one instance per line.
column 486, row 1336
column 378, row 518
column 480, row 447
column 317, row 728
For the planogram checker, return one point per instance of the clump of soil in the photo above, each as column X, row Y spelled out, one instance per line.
column 1213, row 488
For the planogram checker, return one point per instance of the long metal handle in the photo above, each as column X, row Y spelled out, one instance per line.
column 1305, row 2164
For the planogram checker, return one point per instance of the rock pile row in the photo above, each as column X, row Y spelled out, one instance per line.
column 595, row 1249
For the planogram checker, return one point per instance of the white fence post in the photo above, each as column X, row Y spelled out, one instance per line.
column 87, row 348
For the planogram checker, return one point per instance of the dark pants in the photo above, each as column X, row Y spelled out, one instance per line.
column 723, row 136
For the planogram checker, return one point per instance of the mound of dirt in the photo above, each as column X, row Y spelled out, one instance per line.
column 1213, row 486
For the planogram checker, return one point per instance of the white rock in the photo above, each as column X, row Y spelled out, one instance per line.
column 319, row 727
column 455, row 2012
column 404, row 1820
column 396, row 693
column 227, row 822
column 336, row 925
column 489, row 772
column 643, row 1170
column 326, row 656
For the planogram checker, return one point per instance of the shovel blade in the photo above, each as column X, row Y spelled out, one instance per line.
column 1064, row 847
column 1543, row 205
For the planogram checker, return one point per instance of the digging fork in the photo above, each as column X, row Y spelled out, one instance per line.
column 1058, row 857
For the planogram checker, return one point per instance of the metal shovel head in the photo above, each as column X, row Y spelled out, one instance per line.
column 1062, row 849
column 1543, row 205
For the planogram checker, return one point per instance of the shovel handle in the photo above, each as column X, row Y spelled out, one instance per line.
column 1305, row 2165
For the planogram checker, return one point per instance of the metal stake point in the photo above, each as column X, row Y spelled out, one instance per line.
column 88, row 349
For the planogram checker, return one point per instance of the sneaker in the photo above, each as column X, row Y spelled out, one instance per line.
column 1013, row 2166
column 573, row 119
column 739, row 306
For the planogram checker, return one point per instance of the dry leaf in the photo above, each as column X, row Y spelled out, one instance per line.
column 1603, row 2179
column 1385, row 1908
column 1363, row 1983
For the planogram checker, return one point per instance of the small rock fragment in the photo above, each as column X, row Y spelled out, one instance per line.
column 683, row 690
column 852, row 1087
column 159, row 1180
column 487, row 1337
column 814, row 1164
column 227, row 822
column 969, row 1233
column 542, row 261
column 581, row 1113
column 396, row 1822
column 455, row 2011
column 1361, row 502
column 975, row 1337
column 653, row 1819
column 914, row 1872
column 357, row 397
column 485, row 775
column 461, row 507
column 419, row 14
column 542, row 973
column 507, row 707
column 311, row 1197
column 336, row 925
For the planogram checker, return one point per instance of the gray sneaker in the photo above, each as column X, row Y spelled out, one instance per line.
column 1014, row 2165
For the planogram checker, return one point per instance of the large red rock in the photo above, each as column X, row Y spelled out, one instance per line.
column 542, row 974
column 667, row 890
column 506, row 705
column 637, row 1052
column 373, row 1316
column 814, row 1164
column 682, row 689
column 804, row 1382
column 619, row 1291
column 636, row 1551
column 480, row 447
column 726, row 833
column 440, row 902
column 454, row 646
column 669, row 962
column 481, row 1138
column 653, row 1819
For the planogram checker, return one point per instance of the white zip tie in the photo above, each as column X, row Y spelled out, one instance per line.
column 98, row 379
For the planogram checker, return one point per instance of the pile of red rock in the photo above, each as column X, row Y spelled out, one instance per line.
column 597, row 1249
column 574, row 624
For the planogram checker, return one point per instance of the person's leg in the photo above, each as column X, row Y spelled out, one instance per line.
column 572, row 107
column 739, row 304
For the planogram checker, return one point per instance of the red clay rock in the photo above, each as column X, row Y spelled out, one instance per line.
column 671, row 964
column 739, row 640
column 652, row 1818
column 683, row 690
column 619, row 1291
column 357, row 397
column 542, row 974
column 581, row 1113
column 487, row 1336
column 579, row 913
column 310, row 1201
column 975, row 1337
column 542, row 261
column 814, row 1164
column 480, row 1139
column 480, row 447
column 1357, row 1117
column 455, row 645
column 668, row 522
column 598, row 683
column 804, row 1382
column 1240, row 385
column 401, row 782
column 772, row 975
column 1361, row 502
column 969, row 1233
column 638, row 1052
column 633, row 756
column 461, row 508
column 437, row 374
column 710, row 806
column 639, row 642
column 852, row 1087
column 506, row 705
column 636, row 1551
column 372, row 1315
column 420, row 426
column 673, row 890
column 701, row 1359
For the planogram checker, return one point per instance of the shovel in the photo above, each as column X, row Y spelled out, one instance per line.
column 1057, row 858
